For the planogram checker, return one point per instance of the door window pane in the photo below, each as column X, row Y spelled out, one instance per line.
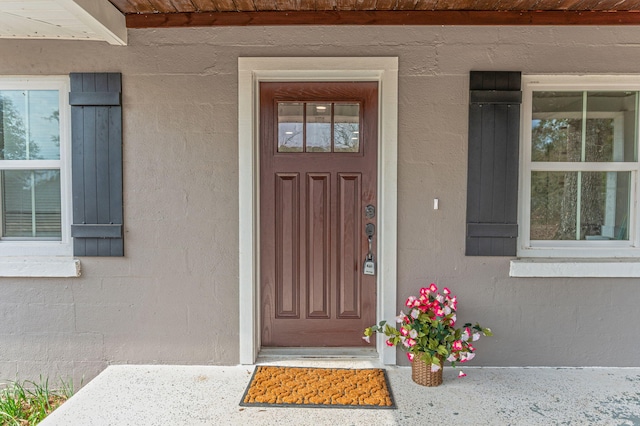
column 580, row 205
column 290, row 126
column 346, row 128
column 29, row 121
column 31, row 204
column 318, row 127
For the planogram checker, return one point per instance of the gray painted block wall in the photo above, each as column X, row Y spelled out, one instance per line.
column 174, row 298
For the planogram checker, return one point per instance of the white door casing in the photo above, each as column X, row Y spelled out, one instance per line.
column 251, row 71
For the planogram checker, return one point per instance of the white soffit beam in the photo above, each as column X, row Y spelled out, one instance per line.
column 62, row 19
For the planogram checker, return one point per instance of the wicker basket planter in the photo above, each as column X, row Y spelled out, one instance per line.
column 422, row 375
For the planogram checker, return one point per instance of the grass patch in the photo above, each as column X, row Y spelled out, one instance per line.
column 28, row 403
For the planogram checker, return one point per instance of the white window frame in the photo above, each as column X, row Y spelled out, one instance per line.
column 574, row 258
column 29, row 258
column 573, row 249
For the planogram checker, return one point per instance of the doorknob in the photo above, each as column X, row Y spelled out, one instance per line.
column 370, row 230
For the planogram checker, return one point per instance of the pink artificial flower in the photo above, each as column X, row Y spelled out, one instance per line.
column 409, row 342
column 461, row 374
column 440, row 298
column 471, row 348
column 410, row 356
column 447, row 310
column 451, row 358
column 433, row 288
column 434, row 368
column 415, row 313
column 404, row 331
column 416, row 303
column 446, row 291
column 366, row 339
column 470, row 356
column 465, row 334
column 457, row 345
column 389, row 343
column 476, row 336
column 413, row 334
column 410, row 301
column 400, row 317
column 439, row 312
column 424, row 291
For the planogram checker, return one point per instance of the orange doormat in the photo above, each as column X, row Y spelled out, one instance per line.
column 318, row 387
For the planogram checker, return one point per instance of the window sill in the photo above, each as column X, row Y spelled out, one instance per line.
column 39, row 267
column 578, row 268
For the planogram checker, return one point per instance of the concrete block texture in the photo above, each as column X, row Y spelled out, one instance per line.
column 174, row 297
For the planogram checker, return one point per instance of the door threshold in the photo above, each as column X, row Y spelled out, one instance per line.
column 320, row 357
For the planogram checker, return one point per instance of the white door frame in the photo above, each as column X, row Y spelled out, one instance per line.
column 251, row 71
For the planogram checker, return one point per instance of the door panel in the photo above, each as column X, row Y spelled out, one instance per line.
column 318, row 256
column 348, row 255
column 287, row 260
column 318, row 169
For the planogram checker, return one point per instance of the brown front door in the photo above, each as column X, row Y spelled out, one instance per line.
column 318, row 175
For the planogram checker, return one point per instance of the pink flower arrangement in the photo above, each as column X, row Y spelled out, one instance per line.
column 427, row 333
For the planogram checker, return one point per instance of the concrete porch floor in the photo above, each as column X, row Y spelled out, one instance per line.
column 209, row 395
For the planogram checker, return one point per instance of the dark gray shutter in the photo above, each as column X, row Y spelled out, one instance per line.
column 96, row 139
column 492, row 179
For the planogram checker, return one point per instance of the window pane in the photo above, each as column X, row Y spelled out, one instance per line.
column 31, row 116
column 611, row 126
column 31, row 203
column 599, row 201
column 556, row 128
column 318, row 127
column 290, row 130
column 604, row 206
column 560, row 133
column 346, row 128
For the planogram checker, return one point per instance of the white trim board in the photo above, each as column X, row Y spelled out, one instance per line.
column 575, row 268
column 39, row 266
column 251, row 71
column 63, row 20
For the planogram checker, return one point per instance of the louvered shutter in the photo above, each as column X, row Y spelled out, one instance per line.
column 96, row 139
column 492, row 179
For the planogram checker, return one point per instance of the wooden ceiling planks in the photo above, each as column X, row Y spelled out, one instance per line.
column 184, row 6
column 166, row 13
column 124, row 6
column 133, row 6
column 187, row 6
column 205, row 5
column 554, row 4
column 326, row 4
column 162, row 6
column 406, row 4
